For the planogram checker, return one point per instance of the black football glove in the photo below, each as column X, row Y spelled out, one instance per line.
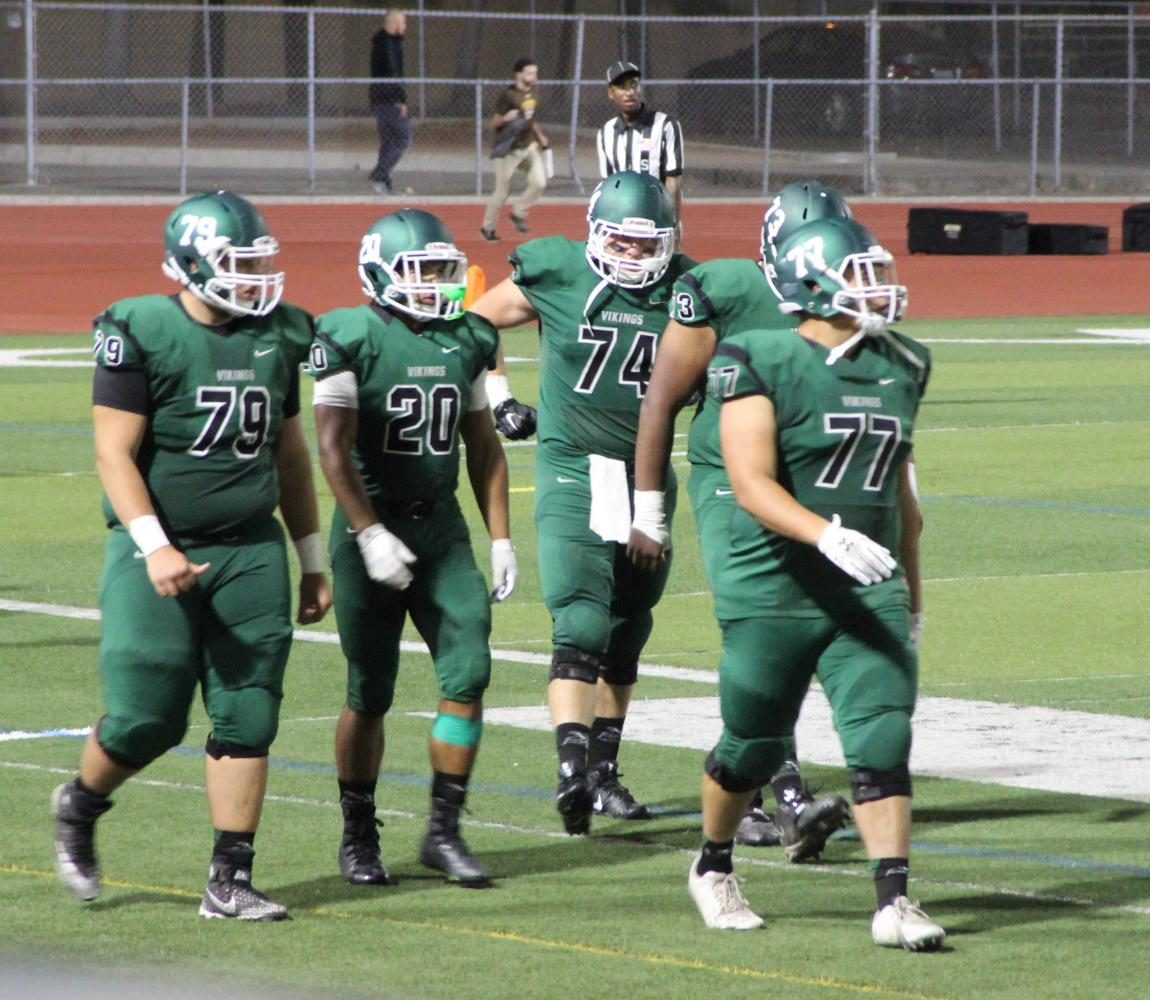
column 515, row 420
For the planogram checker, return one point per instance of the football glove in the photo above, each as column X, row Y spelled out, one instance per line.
column 650, row 516
column 387, row 559
column 514, row 420
column 504, row 569
column 855, row 554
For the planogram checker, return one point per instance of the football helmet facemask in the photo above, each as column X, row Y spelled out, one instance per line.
column 409, row 262
column 837, row 267
column 636, row 207
column 218, row 247
column 795, row 205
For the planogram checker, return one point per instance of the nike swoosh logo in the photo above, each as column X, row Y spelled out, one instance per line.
column 230, row 907
column 724, row 493
column 885, row 381
column 564, row 479
column 260, row 354
column 450, row 350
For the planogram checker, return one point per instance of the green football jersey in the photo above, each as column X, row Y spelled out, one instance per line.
column 216, row 405
column 844, row 431
column 597, row 345
column 414, row 389
column 729, row 295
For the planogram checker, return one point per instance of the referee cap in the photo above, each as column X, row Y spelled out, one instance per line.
column 619, row 69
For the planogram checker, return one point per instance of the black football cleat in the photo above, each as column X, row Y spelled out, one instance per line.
column 446, row 851
column 76, row 813
column 360, row 861
column 573, row 800
column 612, row 798
column 807, row 823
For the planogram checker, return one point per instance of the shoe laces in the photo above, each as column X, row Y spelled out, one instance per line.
column 362, row 834
column 729, row 895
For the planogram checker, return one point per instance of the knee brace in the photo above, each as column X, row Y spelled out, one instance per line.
column 872, row 785
column 726, row 778
column 569, row 664
column 622, row 674
column 457, row 731
column 215, row 749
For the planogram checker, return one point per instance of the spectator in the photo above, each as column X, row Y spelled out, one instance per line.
column 519, row 144
column 640, row 138
column 389, row 100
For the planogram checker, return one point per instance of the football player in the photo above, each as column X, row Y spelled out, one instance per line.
column 399, row 383
column 710, row 303
column 198, row 440
column 601, row 306
column 816, row 429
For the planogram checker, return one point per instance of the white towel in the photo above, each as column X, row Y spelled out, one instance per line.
column 610, row 499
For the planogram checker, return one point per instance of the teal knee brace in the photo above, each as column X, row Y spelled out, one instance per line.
column 456, row 731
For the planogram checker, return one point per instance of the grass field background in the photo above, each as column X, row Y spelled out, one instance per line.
column 1034, row 463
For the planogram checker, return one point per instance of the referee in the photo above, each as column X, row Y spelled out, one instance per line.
column 638, row 138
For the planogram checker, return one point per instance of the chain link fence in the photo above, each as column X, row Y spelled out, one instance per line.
column 167, row 98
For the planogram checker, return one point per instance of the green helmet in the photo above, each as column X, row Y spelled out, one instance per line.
column 836, row 267
column 796, row 205
column 408, row 261
column 217, row 246
column 632, row 206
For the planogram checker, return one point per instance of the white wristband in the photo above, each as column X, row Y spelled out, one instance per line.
column 498, row 390
column 649, row 506
column 147, row 533
column 312, row 557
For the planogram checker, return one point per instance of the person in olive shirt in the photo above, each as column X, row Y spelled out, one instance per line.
column 198, row 440
column 519, row 145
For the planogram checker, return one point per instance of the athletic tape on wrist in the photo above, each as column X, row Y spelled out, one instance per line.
column 147, row 533
column 312, row 557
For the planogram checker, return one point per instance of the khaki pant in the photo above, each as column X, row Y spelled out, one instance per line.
column 529, row 158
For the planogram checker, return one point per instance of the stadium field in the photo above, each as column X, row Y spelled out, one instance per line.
column 1032, row 791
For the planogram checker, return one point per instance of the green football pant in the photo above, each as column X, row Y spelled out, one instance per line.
column 447, row 600
column 231, row 633
column 599, row 602
column 868, row 668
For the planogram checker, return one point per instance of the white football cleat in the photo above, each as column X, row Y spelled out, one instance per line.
column 720, row 901
column 901, row 924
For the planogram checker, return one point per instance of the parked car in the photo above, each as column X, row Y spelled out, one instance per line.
column 836, row 52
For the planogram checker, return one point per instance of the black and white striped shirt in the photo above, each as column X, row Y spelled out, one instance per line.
column 652, row 145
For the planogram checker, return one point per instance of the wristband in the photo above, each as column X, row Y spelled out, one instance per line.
column 147, row 533
column 312, row 558
column 498, row 390
column 649, row 506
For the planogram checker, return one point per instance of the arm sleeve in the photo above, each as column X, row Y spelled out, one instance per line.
column 340, row 389
column 121, row 389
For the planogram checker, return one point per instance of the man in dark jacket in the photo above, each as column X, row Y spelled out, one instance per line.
column 389, row 99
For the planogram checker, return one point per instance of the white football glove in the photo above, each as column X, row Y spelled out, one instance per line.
column 387, row 559
column 917, row 626
column 650, row 517
column 504, row 569
column 854, row 553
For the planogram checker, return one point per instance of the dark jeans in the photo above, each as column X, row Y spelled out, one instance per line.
column 394, row 138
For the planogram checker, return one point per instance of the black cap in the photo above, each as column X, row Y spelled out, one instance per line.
column 621, row 68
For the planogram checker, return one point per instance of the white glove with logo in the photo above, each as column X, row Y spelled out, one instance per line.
column 855, row 554
column 650, row 517
column 504, row 569
column 387, row 559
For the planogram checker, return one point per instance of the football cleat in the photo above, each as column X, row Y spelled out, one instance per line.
column 75, row 839
column 806, row 824
column 451, row 855
column 230, row 895
column 445, row 850
column 610, row 797
column 360, row 861
column 758, row 829
column 720, row 901
column 573, row 800
column 901, row 924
